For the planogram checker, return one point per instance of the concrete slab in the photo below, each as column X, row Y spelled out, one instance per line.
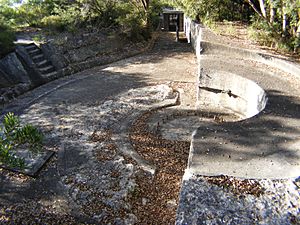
column 264, row 146
column 246, row 150
column 262, row 151
column 33, row 162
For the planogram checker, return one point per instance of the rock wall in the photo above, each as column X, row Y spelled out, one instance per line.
column 13, row 70
column 67, row 53
column 14, row 79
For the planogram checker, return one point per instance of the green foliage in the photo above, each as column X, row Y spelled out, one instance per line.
column 13, row 136
column 271, row 35
column 31, row 13
column 53, row 22
column 7, row 37
column 136, row 19
column 7, row 22
column 155, row 9
column 105, row 13
column 216, row 10
column 8, row 15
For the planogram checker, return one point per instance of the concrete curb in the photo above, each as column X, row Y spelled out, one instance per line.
column 122, row 139
column 286, row 66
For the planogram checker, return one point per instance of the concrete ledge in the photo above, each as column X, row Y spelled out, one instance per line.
column 218, row 49
column 230, row 91
column 244, row 149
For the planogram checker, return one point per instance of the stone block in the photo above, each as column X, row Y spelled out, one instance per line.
column 33, row 73
column 4, row 81
column 51, row 55
column 13, row 70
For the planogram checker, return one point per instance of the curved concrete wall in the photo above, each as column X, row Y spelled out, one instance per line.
column 217, row 49
column 196, row 35
column 235, row 93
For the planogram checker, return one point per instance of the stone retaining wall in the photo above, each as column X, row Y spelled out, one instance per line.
column 18, row 73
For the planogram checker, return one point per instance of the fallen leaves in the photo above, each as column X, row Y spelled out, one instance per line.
column 170, row 158
column 237, row 186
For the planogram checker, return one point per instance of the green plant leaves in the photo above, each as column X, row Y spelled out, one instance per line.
column 14, row 136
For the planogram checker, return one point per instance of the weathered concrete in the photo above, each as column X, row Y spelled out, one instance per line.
column 211, row 48
column 33, row 73
column 13, row 69
column 221, row 89
column 273, row 133
column 264, row 147
column 69, row 110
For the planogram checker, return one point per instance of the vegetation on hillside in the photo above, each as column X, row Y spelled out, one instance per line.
column 135, row 19
column 272, row 22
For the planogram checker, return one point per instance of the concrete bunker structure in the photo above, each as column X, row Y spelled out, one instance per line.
column 235, row 94
column 264, row 141
column 171, row 19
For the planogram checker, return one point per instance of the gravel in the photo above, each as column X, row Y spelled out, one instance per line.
column 277, row 202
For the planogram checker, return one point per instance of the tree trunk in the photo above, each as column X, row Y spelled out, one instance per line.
column 254, row 8
column 145, row 4
column 284, row 17
column 262, row 8
column 284, row 23
column 272, row 12
column 258, row 12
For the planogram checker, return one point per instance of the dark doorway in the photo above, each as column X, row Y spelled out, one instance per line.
column 173, row 22
column 172, row 19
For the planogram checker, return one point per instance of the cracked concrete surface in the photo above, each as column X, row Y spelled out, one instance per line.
column 85, row 117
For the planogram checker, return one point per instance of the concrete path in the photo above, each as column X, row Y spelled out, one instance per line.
column 86, row 118
column 254, row 163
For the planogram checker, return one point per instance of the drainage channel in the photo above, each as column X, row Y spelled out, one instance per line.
column 162, row 137
column 156, row 197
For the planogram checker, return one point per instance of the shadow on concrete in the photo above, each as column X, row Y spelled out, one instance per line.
column 164, row 47
column 74, row 101
column 283, row 105
column 264, row 146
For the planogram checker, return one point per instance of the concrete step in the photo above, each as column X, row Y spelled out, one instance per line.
column 47, row 69
column 38, row 58
column 34, row 51
column 51, row 76
column 43, row 63
column 31, row 47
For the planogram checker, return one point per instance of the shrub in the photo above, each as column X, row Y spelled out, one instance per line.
column 13, row 136
column 270, row 36
column 133, row 27
column 53, row 22
column 7, row 37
